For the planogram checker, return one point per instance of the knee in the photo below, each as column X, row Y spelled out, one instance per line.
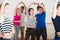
column 58, row 34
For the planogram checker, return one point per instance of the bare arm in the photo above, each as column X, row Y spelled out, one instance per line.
column 33, row 3
column 54, row 9
column 2, row 7
column 23, row 4
column 42, row 5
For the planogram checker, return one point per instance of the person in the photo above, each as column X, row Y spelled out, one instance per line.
column 17, row 22
column 31, row 20
column 7, row 26
column 0, row 24
column 56, row 19
column 22, row 27
column 41, row 25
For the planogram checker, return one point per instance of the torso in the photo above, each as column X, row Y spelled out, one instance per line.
column 40, row 18
column 7, row 28
column 23, row 19
column 56, row 23
column 31, row 21
column 17, row 18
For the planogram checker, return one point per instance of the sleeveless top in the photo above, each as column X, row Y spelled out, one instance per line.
column 17, row 18
column 56, row 23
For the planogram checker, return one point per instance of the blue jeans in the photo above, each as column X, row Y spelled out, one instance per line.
column 17, row 28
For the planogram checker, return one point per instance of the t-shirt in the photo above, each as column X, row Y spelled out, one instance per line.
column 40, row 18
column 31, row 22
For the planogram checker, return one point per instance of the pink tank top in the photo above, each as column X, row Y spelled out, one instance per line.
column 17, row 18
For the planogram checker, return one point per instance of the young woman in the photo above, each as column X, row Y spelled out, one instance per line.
column 56, row 19
column 17, row 22
column 30, row 24
column 22, row 12
column 31, row 20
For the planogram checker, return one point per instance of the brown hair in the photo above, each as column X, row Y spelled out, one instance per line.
column 38, row 7
column 30, row 10
column 6, row 4
column 0, row 5
column 58, row 5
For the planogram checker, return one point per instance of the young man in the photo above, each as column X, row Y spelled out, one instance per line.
column 41, row 25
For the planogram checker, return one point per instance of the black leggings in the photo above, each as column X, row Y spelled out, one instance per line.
column 7, row 39
column 42, row 32
column 30, row 31
column 1, row 38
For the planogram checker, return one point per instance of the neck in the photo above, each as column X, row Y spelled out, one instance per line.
column 58, row 14
column 31, row 15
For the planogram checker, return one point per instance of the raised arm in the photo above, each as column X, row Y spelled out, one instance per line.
column 42, row 5
column 23, row 4
column 33, row 3
column 3, row 5
column 54, row 9
column 15, row 9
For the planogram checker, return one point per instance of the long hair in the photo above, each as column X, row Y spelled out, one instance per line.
column 0, row 6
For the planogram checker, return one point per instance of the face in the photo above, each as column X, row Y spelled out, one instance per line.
column 40, row 10
column 31, row 12
column 7, row 8
column 58, row 10
column 21, row 10
column 18, row 10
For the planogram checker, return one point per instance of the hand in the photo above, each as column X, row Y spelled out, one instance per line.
column 35, row 3
column 21, row 3
column 27, row 24
column 16, row 21
column 42, row 5
column 58, row 33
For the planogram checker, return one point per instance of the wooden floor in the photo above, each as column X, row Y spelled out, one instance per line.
column 41, row 39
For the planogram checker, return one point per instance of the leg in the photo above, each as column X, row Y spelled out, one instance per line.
column 33, row 34
column 44, row 34
column 17, row 32
column 1, row 38
column 27, row 34
column 22, row 33
column 7, row 39
column 38, row 34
